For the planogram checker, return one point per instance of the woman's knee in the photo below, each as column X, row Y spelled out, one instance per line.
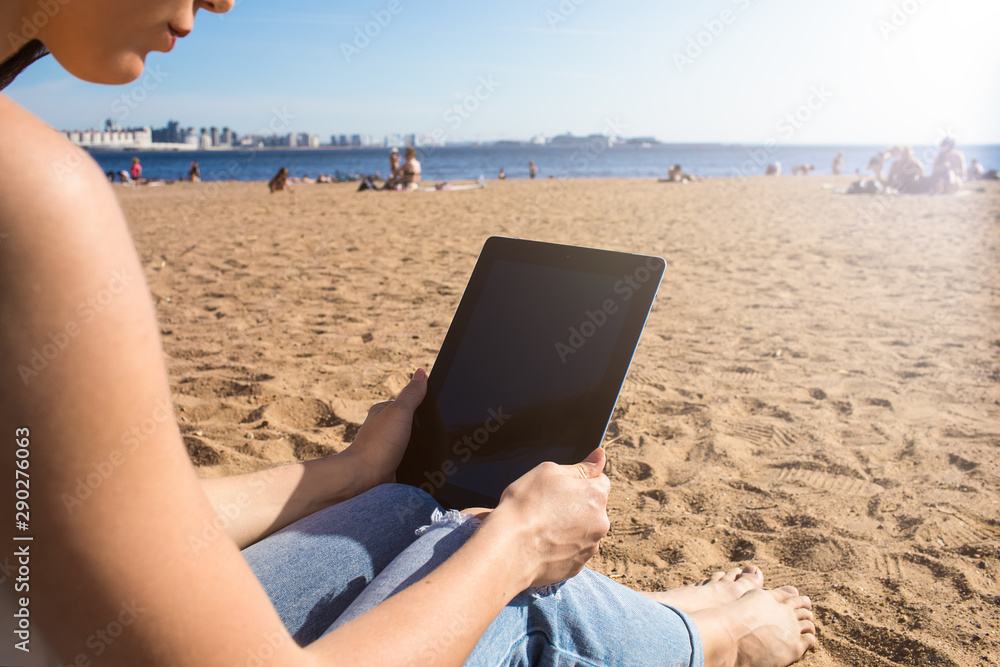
column 404, row 503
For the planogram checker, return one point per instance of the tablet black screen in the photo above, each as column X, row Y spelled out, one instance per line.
column 528, row 370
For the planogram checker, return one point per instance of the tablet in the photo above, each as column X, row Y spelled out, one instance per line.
column 530, row 369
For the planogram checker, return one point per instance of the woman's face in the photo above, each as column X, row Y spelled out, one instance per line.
column 106, row 41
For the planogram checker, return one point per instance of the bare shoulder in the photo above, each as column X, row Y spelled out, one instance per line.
column 53, row 199
column 41, row 170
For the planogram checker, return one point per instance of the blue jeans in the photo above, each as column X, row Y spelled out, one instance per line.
column 334, row 565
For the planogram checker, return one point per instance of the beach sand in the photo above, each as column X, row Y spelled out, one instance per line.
column 817, row 389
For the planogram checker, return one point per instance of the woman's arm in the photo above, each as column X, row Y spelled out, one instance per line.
column 121, row 571
column 254, row 505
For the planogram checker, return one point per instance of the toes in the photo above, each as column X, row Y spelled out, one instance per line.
column 807, row 628
column 731, row 575
column 753, row 574
column 800, row 602
column 803, row 614
column 714, row 578
column 785, row 593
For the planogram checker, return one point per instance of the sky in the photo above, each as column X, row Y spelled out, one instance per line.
column 729, row 71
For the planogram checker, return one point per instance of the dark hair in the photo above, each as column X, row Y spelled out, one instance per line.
column 27, row 54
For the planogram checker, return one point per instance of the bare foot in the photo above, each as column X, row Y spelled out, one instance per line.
column 761, row 629
column 719, row 589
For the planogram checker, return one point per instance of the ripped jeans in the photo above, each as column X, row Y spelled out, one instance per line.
column 334, row 565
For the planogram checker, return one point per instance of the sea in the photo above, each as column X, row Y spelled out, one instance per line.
column 448, row 163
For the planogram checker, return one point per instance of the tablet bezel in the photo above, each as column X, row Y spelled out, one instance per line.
column 639, row 278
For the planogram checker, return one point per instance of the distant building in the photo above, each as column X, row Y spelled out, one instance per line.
column 216, row 137
column 593, row 140
column 205, row 140
column 170, row 134
column 111, row 139
column 356, row 140
column 227, row 137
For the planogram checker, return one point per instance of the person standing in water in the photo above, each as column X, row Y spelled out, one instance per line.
column 838, row 164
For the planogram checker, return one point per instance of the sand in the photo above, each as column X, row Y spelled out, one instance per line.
column 817, row 390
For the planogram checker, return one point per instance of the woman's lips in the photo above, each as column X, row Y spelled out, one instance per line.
column 175, row 34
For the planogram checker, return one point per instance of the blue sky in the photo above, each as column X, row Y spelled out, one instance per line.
column 851, row 71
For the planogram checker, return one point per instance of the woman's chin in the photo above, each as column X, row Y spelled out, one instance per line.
column 116, row 71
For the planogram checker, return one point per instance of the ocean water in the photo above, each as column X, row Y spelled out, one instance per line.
column 468, row 162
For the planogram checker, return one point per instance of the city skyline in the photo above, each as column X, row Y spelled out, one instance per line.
column 731, row 71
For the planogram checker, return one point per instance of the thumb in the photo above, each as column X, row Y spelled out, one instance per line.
column 593, row 465
column 413, row 393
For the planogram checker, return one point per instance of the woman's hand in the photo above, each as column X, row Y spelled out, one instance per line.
column 379, row 445
column 561, row 515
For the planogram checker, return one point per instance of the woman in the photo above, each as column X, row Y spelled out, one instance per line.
column 127, row 563
column 136, row 170
column 279, row 182
column 906, row 174
column 410, row 171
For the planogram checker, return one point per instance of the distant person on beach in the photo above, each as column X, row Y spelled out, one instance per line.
column 773, row 169
column 976, row 172
column 502, row 176
column 949, row 168
column 906, row 174
column 675, row 174
column 393, row 163
column 532, row 169
column 136, row 171
column 410, row 171
column 280, row 181
column 311, row 563
column 878, row 161
column 838, row 164
column 194, row 173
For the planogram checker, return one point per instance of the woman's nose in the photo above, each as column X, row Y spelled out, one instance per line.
column 217, row 6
